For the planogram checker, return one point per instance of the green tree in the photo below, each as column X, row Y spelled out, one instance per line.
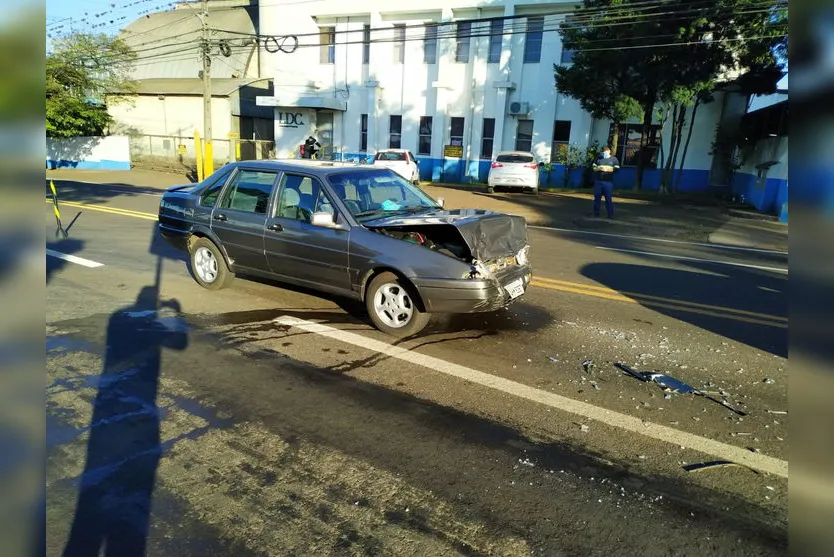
column 673, row 52
column 601, row 98
column 80, row 71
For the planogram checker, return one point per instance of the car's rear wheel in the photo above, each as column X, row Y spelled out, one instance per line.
column 208, row 265
column 393, row 306
column 490, row 189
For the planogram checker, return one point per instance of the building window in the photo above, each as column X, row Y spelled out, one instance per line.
column 327, row 40
column 363, row 133
column 456, row 131
column 399, row 43
column 524, row 136
column 366, row 44
column 424, row 140
column 464, row 32
column 487, row 136
column 430, row 45
column 496, row 35
column 395, row 128
column 561, row 137
column 533, row 40
column 628, row 144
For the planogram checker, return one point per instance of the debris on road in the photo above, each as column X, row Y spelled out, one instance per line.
column 714, row 464
column 768, row 381
column 588, row 365
column 777, row 411
column 553, row 358
column 675, row 385
column 582, row 427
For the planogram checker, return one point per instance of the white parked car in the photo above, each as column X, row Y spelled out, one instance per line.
column 401, row 161
column 514, row 170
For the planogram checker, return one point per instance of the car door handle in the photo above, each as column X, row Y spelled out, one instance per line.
column 275, row 226
column 220, row 216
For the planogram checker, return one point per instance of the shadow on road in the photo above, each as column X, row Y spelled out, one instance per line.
column 749, row 291
column 124, row 449
column 68, row 246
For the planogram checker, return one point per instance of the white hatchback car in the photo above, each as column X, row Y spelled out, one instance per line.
column 514, row 170
column 401, row 161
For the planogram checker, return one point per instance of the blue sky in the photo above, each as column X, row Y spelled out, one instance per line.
column 63, row 16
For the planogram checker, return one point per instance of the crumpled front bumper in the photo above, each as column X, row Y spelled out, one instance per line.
column 471, row 295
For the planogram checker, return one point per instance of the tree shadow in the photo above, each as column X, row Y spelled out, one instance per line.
column 761, row 295
column 124, row 449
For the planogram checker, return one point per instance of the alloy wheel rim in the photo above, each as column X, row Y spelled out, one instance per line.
column 205, row 264
column 393, row 305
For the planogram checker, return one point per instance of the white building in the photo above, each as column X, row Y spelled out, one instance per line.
column 368, row 75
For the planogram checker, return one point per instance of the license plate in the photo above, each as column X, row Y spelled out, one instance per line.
column 515, row 288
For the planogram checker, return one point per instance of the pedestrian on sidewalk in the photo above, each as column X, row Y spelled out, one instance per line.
column 604, row 169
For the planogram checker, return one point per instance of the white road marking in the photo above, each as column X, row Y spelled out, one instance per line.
column 683, row 257
column 664, row 240
column 632, row 424
column 74, row 259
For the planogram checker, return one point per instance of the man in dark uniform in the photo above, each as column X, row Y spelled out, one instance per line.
column 604, row 169
column 311, row 147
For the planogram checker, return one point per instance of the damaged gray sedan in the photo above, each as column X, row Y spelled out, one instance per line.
column 349, row 230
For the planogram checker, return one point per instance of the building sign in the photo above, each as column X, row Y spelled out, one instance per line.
column 290, row 119
column 453, row 151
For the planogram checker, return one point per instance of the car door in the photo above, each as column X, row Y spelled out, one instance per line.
column 239, row 217
column 316, row 256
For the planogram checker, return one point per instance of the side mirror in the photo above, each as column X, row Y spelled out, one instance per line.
column 325, row 220
column 441, row 201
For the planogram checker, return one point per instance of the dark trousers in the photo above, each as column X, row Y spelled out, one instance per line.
column 604, row 189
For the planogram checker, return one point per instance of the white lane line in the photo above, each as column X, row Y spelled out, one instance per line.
column 710, row 447
column 74, row 259
column 683, row 257
column 664, row 240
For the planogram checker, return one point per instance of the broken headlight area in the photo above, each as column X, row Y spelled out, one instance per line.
column 442, row 239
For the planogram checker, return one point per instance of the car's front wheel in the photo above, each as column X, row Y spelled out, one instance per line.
column 392, row 306
column 208, row 265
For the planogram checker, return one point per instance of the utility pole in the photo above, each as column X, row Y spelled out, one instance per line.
column 208, row 155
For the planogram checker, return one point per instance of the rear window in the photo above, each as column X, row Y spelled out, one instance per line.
column 388, row 156
column 514, row 158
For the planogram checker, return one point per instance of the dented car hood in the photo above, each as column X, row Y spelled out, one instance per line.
column 487, row 234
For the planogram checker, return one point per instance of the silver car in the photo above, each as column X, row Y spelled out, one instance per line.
column 351, row 230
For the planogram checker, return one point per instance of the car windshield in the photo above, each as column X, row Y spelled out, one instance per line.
column 390, row 156
column 372, row 194
column 514, row 158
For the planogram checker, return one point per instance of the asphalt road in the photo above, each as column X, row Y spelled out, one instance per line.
column 265, row 419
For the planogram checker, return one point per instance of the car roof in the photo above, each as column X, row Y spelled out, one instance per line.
column 319, row 167
column 393, row 150
column 514, row 153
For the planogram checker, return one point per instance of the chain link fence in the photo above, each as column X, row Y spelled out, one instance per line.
column 178, row 152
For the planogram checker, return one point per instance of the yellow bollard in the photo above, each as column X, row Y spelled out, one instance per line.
column 198, row 153
column 208, row 159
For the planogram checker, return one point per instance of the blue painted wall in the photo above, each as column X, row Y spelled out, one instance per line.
column 88, row 165
column 768, row 199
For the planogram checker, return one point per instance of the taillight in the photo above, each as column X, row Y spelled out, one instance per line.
column 532, row 165
column 497, row 165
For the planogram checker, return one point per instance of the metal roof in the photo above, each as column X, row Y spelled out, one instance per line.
column 220, row 87
column 167, row 43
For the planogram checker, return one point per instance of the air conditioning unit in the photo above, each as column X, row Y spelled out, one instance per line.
column 517, row 107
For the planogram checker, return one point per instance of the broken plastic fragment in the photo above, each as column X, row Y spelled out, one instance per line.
column 588, row 365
